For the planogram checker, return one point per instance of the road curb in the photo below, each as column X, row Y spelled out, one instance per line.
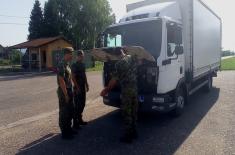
column 24, row 75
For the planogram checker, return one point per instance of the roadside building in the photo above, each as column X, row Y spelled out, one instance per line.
column 4, row 52
column 39, row 52
column 1, row 51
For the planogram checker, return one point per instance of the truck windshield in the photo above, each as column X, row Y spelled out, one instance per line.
column 145, row 34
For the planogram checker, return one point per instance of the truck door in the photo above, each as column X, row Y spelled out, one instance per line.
column 174, row 57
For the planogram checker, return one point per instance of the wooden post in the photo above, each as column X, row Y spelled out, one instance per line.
column 29, row 60
column 40, row 61
column 20, row 58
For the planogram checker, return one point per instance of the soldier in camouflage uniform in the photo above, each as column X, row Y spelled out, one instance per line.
column 65, row 95
column 80, row 88
column 126, row 75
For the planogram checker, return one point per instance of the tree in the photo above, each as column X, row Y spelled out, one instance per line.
column 36, row 22
column 16, row 56
column 92, row 17
column 227, row 53
column 80, row 21
column 57, row 18
column 50, row 23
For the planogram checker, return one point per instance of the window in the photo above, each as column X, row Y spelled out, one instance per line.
column 114, row 40
column 34, row 57
column 140, row 16
column 44, row 57
column 174, row 38
column 145, row 34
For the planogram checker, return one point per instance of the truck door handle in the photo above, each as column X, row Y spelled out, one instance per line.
column 166, row 62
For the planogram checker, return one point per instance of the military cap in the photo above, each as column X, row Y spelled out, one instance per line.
column 79, row 52
column 68, row 50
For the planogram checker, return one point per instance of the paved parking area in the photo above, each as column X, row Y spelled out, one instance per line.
column 206, row 127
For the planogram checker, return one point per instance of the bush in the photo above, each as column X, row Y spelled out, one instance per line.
column 10, row 70
column 4, row 62
column 227, row 53
column 98, row 67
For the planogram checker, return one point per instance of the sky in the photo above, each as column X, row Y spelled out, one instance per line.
column 11, row 34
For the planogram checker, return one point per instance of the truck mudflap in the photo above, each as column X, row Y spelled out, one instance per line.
column 149, row 102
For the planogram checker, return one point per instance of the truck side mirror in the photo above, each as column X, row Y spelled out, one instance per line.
column 179, row 50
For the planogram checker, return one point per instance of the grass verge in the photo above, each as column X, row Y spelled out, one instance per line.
column 10, row 70
column 98, row 67
column 228, row 64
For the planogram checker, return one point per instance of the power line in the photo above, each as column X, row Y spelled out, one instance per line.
column 1, row 15
column 12, row 24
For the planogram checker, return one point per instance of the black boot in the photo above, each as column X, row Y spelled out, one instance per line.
column 82, row 122
column 76, row 125
column 73, row 132
column 126, row 138
column 66, row 135
column 135, row 134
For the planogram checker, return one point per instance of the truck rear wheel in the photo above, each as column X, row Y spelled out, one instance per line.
column 208, row 86
column 180, row 103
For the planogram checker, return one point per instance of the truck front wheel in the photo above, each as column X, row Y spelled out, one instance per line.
column 180, row 103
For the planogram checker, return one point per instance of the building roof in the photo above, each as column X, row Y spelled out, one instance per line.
column 1, row 46
column 2, row 49
column 37, row 42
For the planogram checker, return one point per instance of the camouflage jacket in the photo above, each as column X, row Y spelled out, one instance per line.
column 64, row 71
column 126, row 72
column 79, row 71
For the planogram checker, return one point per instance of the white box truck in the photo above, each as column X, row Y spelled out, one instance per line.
column 183, row 36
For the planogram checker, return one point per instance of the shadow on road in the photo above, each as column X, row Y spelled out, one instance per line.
column 158, row 134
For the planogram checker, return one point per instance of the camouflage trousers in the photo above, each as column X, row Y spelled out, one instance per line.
column 65, row 110
column 79, row 105
column 129, row 108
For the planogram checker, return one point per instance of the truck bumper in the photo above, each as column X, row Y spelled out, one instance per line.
column 150, row 102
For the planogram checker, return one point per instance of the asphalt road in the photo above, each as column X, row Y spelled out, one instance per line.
column 29, row 122
column 22, row 98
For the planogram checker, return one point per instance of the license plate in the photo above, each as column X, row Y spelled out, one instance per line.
column 141, row 99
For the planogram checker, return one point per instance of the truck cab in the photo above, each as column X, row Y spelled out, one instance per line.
column 165, row 32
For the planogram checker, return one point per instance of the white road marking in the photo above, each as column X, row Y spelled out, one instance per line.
column 28, row 120
column 90, row 104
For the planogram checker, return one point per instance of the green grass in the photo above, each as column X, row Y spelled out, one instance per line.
column 98, row 67
column 228, row 64
column 10, row 70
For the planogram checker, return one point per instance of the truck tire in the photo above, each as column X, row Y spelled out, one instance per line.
column 180, row 103
column 208, row 86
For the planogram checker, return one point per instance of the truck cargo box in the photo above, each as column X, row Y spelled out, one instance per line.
column 202, row 35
